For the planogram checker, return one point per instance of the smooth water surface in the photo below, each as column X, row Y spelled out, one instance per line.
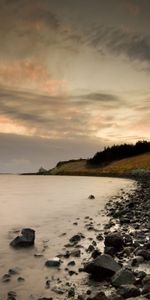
column 50, row 205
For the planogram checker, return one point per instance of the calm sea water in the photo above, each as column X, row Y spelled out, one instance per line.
column 50, row 205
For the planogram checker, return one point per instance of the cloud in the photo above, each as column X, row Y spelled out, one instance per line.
column 133, row 8
column 55, row 116
column 118, row 41
column 30, row 75
column 100, row 97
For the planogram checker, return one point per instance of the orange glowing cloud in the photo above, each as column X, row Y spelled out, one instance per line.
column 30, row 75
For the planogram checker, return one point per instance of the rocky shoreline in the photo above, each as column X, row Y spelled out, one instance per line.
column 116, row 257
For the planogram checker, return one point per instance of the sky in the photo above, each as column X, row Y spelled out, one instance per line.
column 74, row 78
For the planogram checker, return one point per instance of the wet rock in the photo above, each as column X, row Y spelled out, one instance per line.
column 90, row 248
column 102, row 267
column 137, row 260
column 71, row 272
column 99, row 237
column 6, row 278
column 96, row 253
column 98, row 296
column 110, row 250
column 128, row 291
column 75, row 253
column 146, row 280
column 11, row 295
column 47, row 284
column 20, row 279
column 124, row 220
column 45, row 298
column 123, row 277
column 128, row 241
column 146, row 289
column 71, row 292
column 55, row 262
column 71, row 263
column 114, row 240
column 140, row 274
column 91, row 197
column 144, row 253
column 13, row 271
column 26, row 239
column 58, row 290
column 76, row 238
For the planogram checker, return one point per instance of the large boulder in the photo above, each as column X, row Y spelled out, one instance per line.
column 114, row 240
column 26, row 239
column 102, row 267
column 122, row 277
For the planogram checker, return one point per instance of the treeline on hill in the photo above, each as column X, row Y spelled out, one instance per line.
column 60, row 163
column 118, row 152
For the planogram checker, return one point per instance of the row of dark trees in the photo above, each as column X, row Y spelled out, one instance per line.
column 115, row 152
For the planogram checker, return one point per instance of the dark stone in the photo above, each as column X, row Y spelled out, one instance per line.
column 137, row 260
column 90, row 248
column 99, row 237
column 6, row 278
column 99, row 296
column 95, row 253
column 102, row 267
column 71, row 263
column 71, row 292
column 20, row 279
column 55, row 262
column 75, row 253
column 11, row 295
column 26, row 239
column 45, row 298
column 58, row 290
column 76, row 238
column 13, row 271
column 128, row 291
column 114, row 240
column 123, row 277
column 144, row 253
column 110, row 250
column 91, row 197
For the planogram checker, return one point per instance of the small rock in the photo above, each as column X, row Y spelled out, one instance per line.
column 71, row 292
column 91, row 197
column 71, row 263
column 99, row 296
column 114, row 240
column 55, row 262
column 6, row 278
column 75, row 253
column 76, row 238
column 20, row 279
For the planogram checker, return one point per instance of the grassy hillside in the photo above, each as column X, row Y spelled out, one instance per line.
column 120, row 167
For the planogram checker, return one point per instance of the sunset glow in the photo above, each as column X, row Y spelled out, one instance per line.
column 73, row 76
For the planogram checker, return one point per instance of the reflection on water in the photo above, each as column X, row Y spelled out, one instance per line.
column 50, row 205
